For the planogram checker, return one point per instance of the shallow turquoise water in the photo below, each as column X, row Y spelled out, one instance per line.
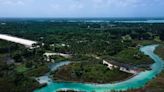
column 136, row 82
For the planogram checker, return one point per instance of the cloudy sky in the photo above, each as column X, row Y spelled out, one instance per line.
column 81, row 8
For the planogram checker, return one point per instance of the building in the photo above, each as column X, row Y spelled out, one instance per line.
column 122, row 67
column 48, row 55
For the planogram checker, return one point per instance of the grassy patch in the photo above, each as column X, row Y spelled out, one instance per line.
column 156, row 85
column 160, row 51
column 21, row 68
column 132, row 56
column 58, row 58
column 36, row 72
column 89, row 72
column 146, row 42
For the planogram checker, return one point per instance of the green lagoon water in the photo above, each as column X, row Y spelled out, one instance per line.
column 136, row 82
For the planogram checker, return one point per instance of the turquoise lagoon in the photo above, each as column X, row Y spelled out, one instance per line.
column 137, row 81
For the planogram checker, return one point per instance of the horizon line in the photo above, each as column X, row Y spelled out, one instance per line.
column 76, row 17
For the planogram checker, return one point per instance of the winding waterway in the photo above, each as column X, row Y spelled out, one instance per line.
column 136, row 82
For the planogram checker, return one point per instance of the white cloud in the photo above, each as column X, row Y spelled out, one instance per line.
column 80, row 7
column 12, row 2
